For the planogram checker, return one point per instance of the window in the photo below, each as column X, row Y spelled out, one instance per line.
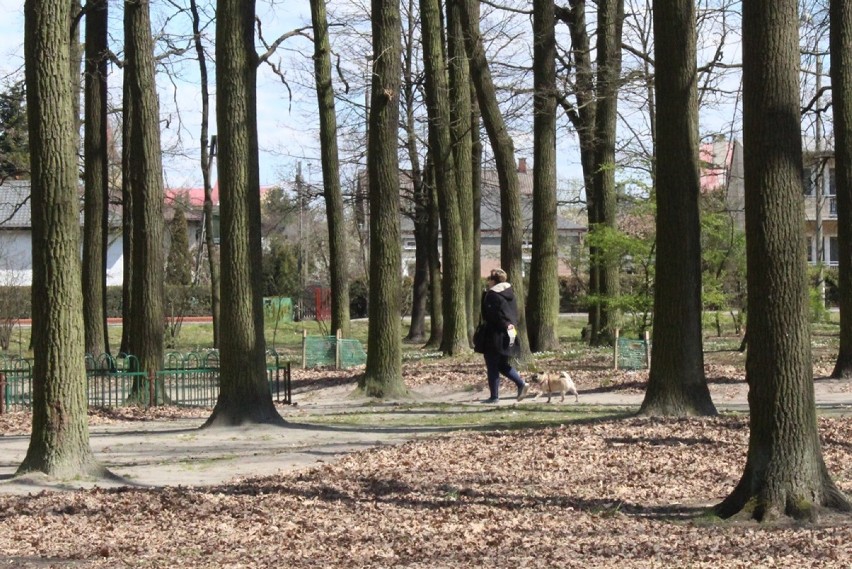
column 833, row 251
column 810, row 250
column 807, row 182
column 832, row 206
column 832, row 182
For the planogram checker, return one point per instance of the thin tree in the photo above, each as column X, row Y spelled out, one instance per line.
column 511, row 241
column 244, row 395
column 96, row 221
column 179, row 261
column 126, row 208
column 208, row 150
column 59, row 443
column 331, row 171
column 676, row 384
column 610, row 20
column 383, row 374
column 147, row 324
column 455, row 276
column 543, row 300
column 784, row 474
column 840, row 40
column 460, row 113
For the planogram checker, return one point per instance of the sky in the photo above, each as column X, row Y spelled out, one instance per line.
column 287, row 127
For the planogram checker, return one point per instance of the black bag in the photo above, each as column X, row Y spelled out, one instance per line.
column 479, row 337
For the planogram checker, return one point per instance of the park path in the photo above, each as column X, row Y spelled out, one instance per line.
column 176, row 453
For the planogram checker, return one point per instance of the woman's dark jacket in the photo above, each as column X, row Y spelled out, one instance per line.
column 499, row 309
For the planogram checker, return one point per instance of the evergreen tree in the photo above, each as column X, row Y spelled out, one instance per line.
column 179, row 262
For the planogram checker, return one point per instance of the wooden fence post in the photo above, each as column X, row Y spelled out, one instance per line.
column 304, row 348
column 648, row 349
column 615, row 350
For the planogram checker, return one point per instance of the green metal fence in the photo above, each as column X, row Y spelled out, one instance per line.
column 186, row 379
column 329, row 351
column 16, row 383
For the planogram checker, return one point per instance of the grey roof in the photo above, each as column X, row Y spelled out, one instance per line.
column 16, row 206
column 15, row 211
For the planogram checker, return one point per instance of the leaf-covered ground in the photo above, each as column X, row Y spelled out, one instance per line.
column 588, row 493
column 615, row 493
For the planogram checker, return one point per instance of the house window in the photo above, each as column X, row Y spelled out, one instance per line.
column 807, row 182
column 832, row 206
column 810, row 250
column 410, row 245
column 832, row 182
column 833, row 252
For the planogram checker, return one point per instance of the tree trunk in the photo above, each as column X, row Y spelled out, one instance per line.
column 420, row 286
column 207, row 149
column 96, row 220
column 244, row 395
column 610, row 20
column 582, row 117
column 677, row 385
column 455, row 338
column 146, row 170
column 126, row 210
column 543, row 301
column 511, row 242
column 331, row 172
column 59, row 443
column 841, row 94
column 460, row 113
column 436, row 328
column 476, row 197
column 785, row 473
column 383, row 374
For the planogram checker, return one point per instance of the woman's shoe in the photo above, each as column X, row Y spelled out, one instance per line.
column 492, row 400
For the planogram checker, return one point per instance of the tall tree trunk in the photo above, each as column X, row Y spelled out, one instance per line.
column 420, row 286
column 677, row 385
column 455, row 339
column 59, row 443
column 383, row 374
column 146, row 170
column 208, row 150
column 244, row 395
column 511, row 241
column 543, row 300
column 476, row 197
column 460, row 113
column 96, row 221
column 582, row 117
column 841, row 94
column 436, row 328
column 331, row 172
column 610, row 20
column 785, row 473
column 126, row 209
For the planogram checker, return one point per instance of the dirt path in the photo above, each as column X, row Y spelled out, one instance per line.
column 175, row 452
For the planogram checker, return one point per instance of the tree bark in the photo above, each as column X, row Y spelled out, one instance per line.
column 582, row 117
column 677, row 385
column 460, row 114
column 784, row 474
column 244, row 395
column 610, row 20
column 331, row 172
column 207, row 150
column 543, row 300
column 126, row 210
column 511, row 242
column 146, row 170
column 420, row 285
column 59, row 443
column 96, row 220
column 454, row 281
column 383, row 374
column 841, row 95
column 436, row 328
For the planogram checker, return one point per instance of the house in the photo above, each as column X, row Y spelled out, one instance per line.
column 722, row 169
column 16, row 260
column 570, row 234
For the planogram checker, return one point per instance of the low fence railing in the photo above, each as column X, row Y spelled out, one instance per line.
column 189, row 380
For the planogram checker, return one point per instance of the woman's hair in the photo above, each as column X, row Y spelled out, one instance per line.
column 499, row 275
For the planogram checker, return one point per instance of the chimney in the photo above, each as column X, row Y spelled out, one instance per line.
column 522, row 165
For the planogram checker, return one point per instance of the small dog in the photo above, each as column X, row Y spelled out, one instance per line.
column 550, row 385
